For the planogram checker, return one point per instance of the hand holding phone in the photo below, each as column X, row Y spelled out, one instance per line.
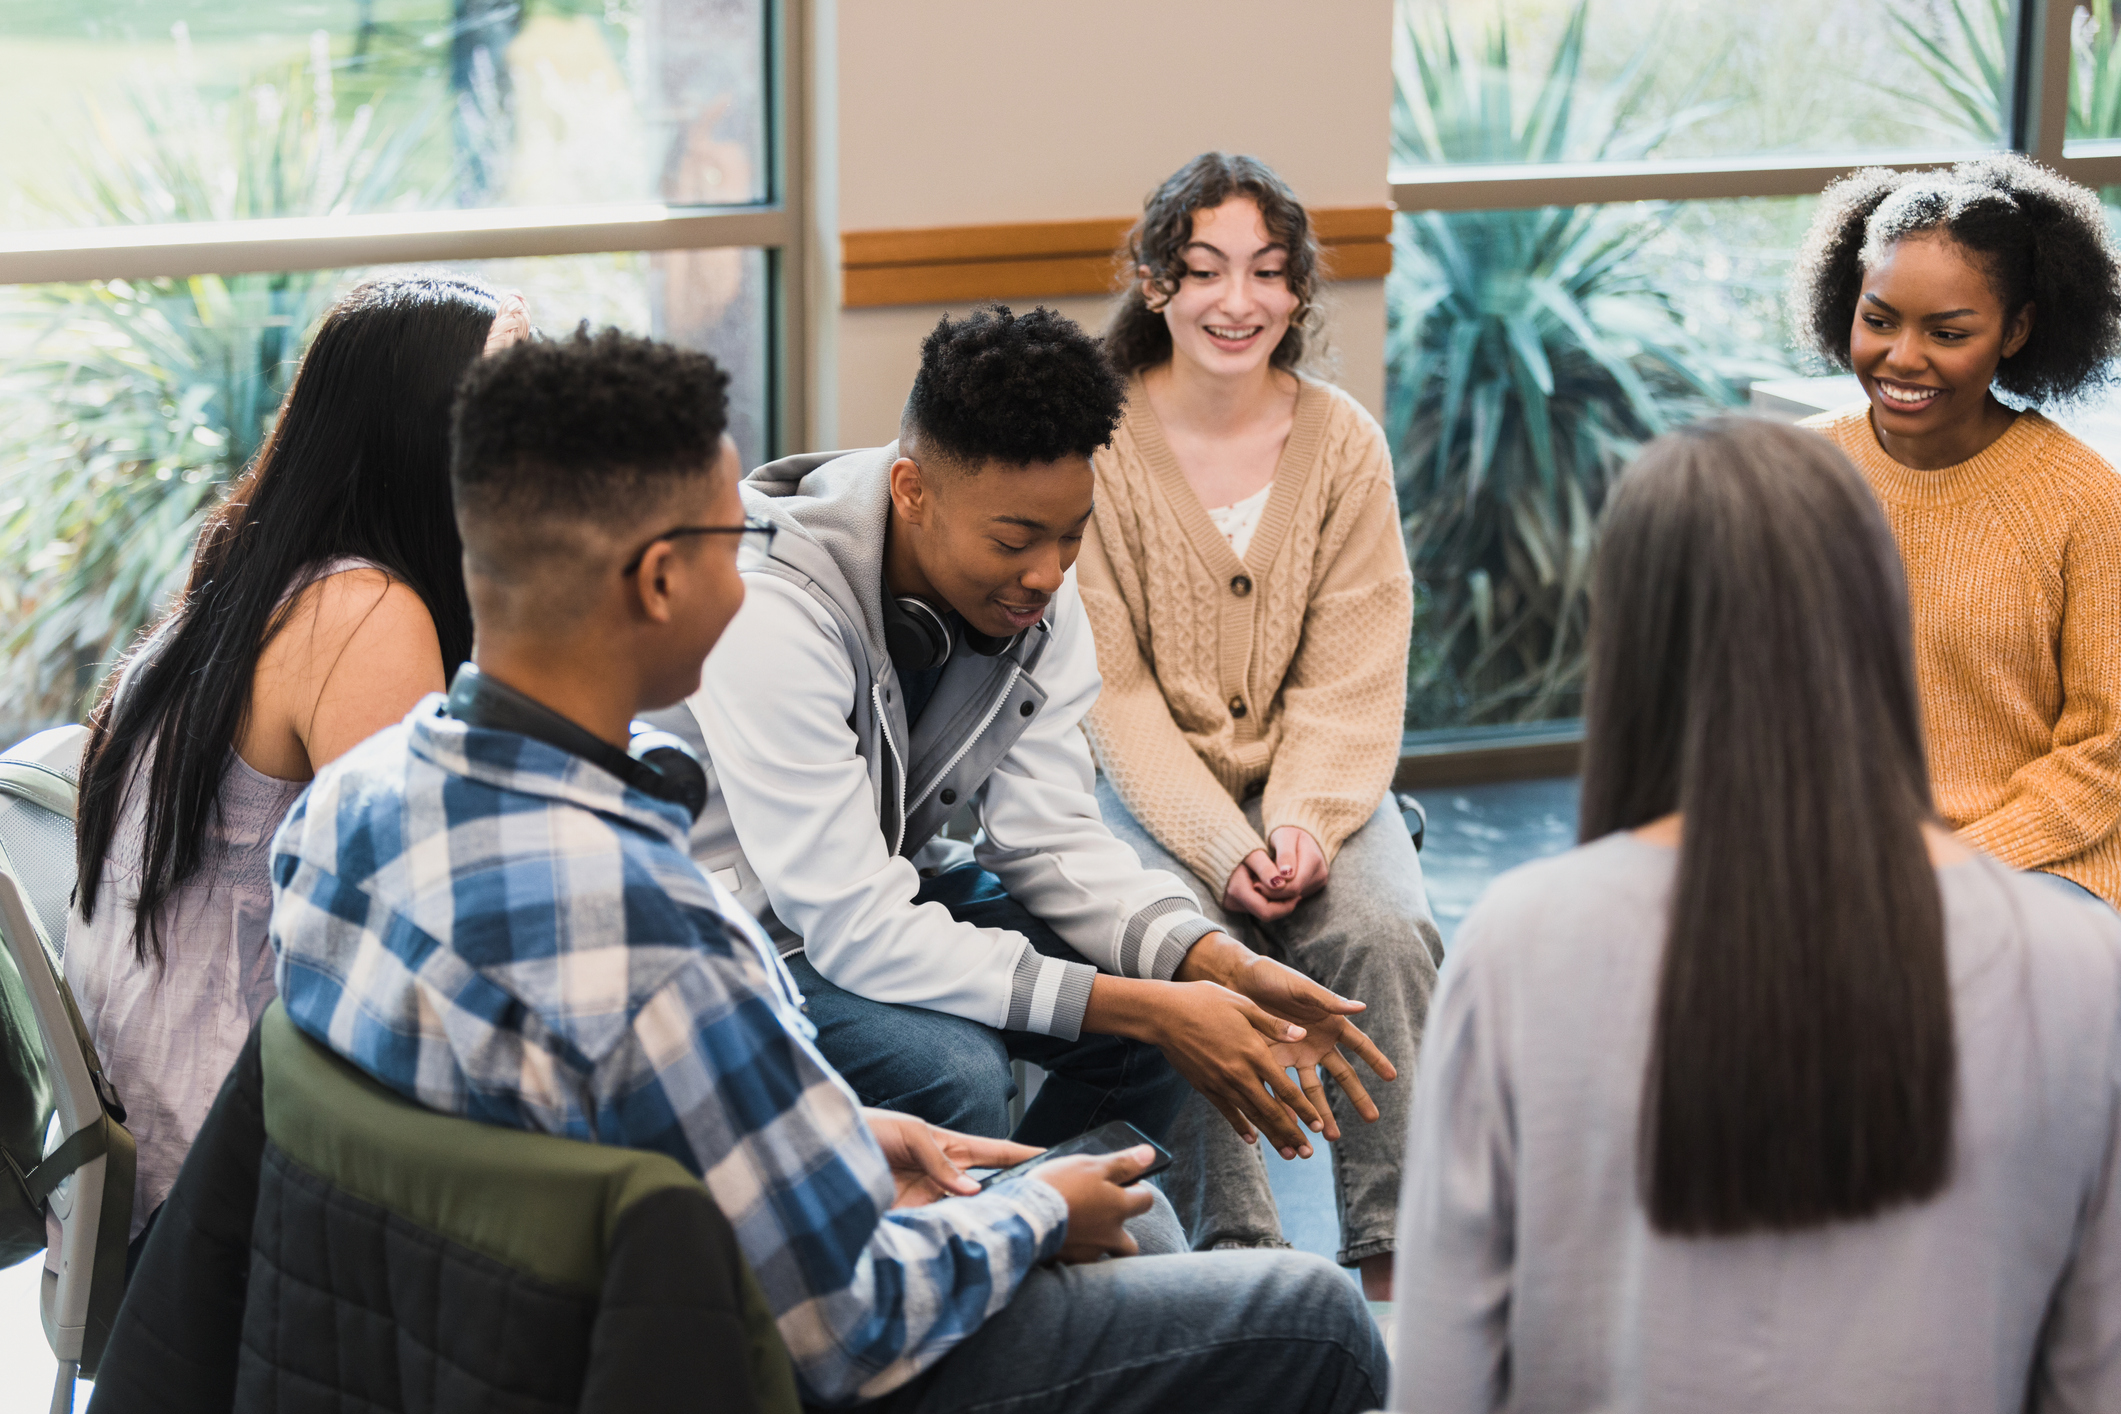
column 1110, row 1138
column 1096, row 1188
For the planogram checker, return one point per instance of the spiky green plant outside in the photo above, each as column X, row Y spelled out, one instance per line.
column 132, row 404
column 1965, row 65
column 1529, row 353
column 2095, row 76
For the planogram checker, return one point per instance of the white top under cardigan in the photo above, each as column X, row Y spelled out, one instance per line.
column 1238, row 520
column 1529, row 1278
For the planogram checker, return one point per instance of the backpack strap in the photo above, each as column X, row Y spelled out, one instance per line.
column 39, row 785
column 78, row 1148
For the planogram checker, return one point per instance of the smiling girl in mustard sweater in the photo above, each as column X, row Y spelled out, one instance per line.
column 1936, row 289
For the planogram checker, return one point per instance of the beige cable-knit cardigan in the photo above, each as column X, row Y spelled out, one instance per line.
column 1286, row 669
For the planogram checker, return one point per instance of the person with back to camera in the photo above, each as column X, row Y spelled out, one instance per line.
column 1773, row 1094
column 1938, row 289
column 325, row 598
column 1248, row 583
column 914, row 645
column 490, row 908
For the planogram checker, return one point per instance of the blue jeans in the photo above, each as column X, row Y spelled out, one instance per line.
column 955, row 1073
column 1222, row 1331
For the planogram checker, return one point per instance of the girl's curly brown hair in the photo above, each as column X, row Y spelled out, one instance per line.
column 1138, row 338
column 2041, row 239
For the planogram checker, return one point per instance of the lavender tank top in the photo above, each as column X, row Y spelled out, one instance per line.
column 167, row 1036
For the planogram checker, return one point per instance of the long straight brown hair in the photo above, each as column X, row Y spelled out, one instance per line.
column 1751, row 668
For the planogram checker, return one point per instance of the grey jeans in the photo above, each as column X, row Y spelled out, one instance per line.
column 1368, row 935
column 1227, row 1331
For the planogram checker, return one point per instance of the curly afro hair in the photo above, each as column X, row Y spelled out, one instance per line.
column 999, row 387
column 2042, row 239
column 594, row 426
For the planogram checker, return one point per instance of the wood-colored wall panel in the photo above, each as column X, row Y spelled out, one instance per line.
column 956, row 264
column 961, row 282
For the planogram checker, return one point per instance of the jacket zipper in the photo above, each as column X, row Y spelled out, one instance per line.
column 1016, row 670
column 898, row 772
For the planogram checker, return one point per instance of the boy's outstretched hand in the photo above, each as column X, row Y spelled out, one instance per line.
column 1285, row 993
column 929, row 1162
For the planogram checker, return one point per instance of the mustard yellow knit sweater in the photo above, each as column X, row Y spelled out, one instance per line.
column 2014, row 575
column 1285, row 670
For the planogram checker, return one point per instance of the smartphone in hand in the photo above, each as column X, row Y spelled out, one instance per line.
column 1112, row 1138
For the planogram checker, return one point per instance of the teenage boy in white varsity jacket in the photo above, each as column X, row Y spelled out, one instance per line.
column 912, row 645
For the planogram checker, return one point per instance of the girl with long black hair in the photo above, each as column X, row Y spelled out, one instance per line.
column 326, row 597
column 1772, row 1095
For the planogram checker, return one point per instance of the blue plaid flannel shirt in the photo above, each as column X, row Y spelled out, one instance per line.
column 499, row 929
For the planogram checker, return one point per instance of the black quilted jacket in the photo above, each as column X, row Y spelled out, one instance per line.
column 265, row 1287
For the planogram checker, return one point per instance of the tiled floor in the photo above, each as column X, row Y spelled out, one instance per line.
column 1475, row 832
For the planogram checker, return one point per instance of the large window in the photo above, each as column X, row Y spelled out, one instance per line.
column 1600, row 200
column 122, row 112
column 186, row 187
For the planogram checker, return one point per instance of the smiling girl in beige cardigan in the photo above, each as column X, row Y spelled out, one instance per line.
column 1248, row 585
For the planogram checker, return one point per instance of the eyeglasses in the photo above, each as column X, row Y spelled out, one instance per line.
column 758, row 533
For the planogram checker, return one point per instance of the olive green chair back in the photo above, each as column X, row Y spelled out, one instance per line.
column 540, row 1205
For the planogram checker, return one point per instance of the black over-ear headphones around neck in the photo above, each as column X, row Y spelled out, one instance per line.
column 921, row 637
column 659, row 763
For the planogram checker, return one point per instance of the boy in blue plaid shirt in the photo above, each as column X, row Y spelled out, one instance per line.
column 490, row 908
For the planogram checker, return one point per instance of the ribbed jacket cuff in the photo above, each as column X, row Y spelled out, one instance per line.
column 1225, row 850
column 1178, row 942
column 1155, row 940
column 1049, row 996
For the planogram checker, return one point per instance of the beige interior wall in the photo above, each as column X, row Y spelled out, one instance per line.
column 967, row 112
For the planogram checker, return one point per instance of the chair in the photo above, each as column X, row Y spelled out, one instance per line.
column 69, row 1152
column 330, row 1244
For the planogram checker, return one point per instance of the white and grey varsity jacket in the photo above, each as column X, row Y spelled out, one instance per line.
column 822, row 799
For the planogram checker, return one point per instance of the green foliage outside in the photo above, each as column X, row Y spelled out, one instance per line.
column 127, row 407
column 1530, row 352
column 134, row 403
column 1966, row 75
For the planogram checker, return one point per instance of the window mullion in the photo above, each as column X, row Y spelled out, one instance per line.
column 327, row 243
column 2038, row 63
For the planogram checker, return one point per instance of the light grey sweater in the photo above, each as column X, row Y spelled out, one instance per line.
column 1529, row 1278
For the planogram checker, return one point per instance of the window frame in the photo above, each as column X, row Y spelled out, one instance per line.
column 780, row 225
column 2036, row 125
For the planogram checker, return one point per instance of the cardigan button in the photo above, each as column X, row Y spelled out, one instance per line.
column 1025, row 710
column 1237, row 706
column 1241, row 585
column 949, row 797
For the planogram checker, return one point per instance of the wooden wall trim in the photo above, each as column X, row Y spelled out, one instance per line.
column 959, row 264
column 1483, row 755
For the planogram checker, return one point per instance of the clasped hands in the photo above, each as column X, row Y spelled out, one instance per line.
column 1270, row 888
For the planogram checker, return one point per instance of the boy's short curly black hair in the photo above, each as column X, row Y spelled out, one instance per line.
column 592, row 426
column 1000, row 387
column 2043, row 240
